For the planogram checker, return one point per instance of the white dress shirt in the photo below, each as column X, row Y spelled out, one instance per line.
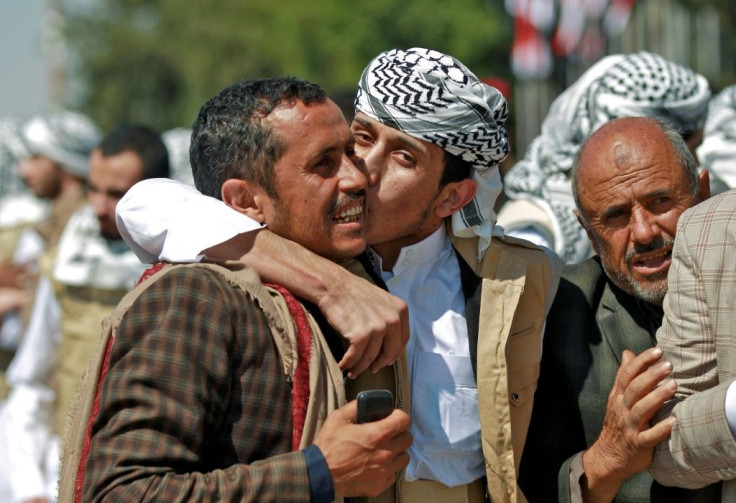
column 444, row 404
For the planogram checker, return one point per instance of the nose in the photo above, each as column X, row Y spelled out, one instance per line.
column 351, row 179
column 643, row 226
column 365, row 158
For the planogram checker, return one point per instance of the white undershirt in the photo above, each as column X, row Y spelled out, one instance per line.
column 444, row 409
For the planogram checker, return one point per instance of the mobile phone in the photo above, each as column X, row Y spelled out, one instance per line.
column 374, row 404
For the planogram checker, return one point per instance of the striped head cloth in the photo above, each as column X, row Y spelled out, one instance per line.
column 65, row 137
column 433, row 97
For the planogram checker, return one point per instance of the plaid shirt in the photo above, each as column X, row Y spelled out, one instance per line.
column 195, row 405
column 697, row 337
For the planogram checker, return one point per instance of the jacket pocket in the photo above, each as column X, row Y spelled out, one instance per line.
column 523, row 353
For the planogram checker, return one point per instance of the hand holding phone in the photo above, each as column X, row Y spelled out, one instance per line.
column 373, row 405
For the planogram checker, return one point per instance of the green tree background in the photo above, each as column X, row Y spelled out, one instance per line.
column 157, row 61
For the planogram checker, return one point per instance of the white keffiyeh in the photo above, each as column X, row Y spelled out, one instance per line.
column 717, row 153
column 634, row 85
column 433, row 97
column 65, row 137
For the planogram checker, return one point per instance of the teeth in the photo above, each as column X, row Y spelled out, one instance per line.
column 349, row 215
column 653, row 257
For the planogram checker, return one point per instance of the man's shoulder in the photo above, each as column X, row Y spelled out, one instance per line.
column 719, row 208
column 226, row 273
column 517, row 248
column 587, row 272
column 523, row 247
column 212, row 283
column 580, row 286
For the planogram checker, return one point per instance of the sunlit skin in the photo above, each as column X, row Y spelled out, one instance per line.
column 321, row 194
column 41, row 175
column 109, row 179
column 632, row 192
column 405, row 202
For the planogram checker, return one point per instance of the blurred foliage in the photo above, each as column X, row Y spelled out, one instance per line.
column 157, row 61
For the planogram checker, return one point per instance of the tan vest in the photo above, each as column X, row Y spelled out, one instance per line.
column 82, row 312
column 519, row 283
column 326, row 386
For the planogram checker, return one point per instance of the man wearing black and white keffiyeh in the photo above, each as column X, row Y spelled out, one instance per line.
column 430, row 136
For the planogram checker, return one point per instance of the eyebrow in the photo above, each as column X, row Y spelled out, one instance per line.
column 328, row 150
column 401, row 137
column 649, row 195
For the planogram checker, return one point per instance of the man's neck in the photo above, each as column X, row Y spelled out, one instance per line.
column 394, row 251
column 391, row 250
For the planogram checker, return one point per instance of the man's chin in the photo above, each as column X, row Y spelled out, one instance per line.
column 341, row 254
column 651, row 291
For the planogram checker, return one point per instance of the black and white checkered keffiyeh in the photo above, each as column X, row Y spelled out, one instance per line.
column 433, row 97
column 635, row 85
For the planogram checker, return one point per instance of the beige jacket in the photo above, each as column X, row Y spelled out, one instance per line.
column 697, row 338
column 519, row 283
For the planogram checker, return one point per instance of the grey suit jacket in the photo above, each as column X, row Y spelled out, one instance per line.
column 590, row 324
column 698, row 337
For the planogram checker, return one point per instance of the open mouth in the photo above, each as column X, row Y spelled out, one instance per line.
column 653, row 262
column 348, row 215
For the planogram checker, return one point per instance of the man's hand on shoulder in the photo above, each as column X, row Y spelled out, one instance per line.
column 374, row 322
column 363, row 458
column 626, row 444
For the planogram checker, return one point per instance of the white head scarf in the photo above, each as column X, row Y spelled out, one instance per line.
column 65, row 137
column 717, row 153
column 12, row 149
column 634, row 85
column 433, row 97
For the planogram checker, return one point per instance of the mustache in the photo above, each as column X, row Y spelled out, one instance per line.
column 656, row 244
column 345, row 199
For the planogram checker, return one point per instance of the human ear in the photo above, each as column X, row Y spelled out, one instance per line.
column 454, row 196
column 245, row 197
column 703, row 186
column 584, row 225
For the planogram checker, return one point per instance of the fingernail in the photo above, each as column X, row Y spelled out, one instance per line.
column 657, row 352
column 671, row 384
column 666, row 366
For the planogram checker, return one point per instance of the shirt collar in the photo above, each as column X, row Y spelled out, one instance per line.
column 426, row 250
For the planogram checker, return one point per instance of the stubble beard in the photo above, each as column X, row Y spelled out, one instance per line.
column 654, row 286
